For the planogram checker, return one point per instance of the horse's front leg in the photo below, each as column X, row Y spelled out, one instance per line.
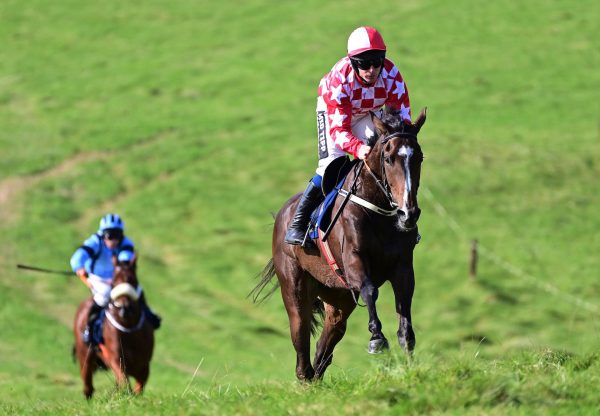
column 141, row 378
column 404, row 286
column 369, row 292
column 115, row 362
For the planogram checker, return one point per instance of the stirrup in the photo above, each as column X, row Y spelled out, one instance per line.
column 86, row 336
column 308, row 242
column 304, row 241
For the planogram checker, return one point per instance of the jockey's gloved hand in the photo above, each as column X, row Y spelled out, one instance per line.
column 83, row 275
column 363, row 151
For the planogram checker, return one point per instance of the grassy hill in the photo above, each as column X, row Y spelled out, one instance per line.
column 195, row 121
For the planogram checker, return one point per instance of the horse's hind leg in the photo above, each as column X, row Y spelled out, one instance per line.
column 298, row 304
column 87, row 366
column 334, row 328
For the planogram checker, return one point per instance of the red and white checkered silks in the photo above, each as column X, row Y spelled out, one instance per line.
column 346, row 97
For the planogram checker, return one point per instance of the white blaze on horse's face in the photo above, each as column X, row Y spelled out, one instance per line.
column 407, row 153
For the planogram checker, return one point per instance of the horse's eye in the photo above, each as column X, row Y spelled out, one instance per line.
column 388, row 160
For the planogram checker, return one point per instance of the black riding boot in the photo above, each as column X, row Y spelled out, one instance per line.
column 87, row 336
column 153, row 318
column 311, row 198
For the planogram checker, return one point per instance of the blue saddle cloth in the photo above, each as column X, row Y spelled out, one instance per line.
column 97, row 328
column 321, row 217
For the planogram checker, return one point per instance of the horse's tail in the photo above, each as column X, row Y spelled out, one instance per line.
column 316, row 322
column 266, row 276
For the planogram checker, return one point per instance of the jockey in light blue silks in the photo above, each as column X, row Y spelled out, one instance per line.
column 93, row 263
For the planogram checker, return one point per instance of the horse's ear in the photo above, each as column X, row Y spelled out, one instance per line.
column 380, row 126
column 420, row 120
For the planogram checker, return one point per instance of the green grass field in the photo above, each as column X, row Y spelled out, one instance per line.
column 195, row 121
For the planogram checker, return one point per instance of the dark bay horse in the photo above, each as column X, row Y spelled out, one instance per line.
column 128, row 337
column 370, row 248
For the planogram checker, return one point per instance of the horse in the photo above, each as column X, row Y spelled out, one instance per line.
column 128, row 337
column 373, row 241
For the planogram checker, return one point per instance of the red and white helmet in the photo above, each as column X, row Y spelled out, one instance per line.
column 364, row 39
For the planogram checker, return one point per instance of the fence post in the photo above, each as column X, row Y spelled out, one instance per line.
column 473, row 260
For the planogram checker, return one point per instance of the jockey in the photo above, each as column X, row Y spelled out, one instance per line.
column 93, row 263
column 364, row 80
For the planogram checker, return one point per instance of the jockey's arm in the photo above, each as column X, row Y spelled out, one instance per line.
column 82, row 256
column 340, row 129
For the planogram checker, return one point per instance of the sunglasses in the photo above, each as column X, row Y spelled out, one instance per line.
column 113, row 235
column 368, row 63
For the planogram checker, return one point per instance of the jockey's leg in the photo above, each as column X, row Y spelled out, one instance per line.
column 311, row 198
column 88, row 335
column 152, row 317
column 101, row 295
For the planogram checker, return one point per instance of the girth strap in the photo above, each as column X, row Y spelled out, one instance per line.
column 330, row 259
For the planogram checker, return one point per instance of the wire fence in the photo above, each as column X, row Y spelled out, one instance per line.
column 500, row 262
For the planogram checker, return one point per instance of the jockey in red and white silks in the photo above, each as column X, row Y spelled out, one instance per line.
column 360, row 82
column 343, row 108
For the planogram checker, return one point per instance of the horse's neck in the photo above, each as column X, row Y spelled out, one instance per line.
column 366, row 186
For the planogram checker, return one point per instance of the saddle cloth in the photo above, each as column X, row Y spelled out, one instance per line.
column 321, row 217
column 97, row 328
column 333, row 180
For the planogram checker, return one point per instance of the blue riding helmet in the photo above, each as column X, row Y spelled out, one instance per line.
column 111, row 222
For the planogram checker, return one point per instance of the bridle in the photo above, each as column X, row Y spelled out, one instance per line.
column 134, row 293
column 382, row 180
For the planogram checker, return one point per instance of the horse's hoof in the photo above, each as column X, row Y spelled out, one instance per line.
column 408, row 345
column 377, row 346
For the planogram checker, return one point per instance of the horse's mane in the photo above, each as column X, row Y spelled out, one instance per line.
column 392, row 119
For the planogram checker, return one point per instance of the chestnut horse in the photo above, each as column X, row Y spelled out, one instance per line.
column 128, row 337
column 371, row 245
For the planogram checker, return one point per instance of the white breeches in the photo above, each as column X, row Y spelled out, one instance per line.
column 362, row 128
column 100, row 289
